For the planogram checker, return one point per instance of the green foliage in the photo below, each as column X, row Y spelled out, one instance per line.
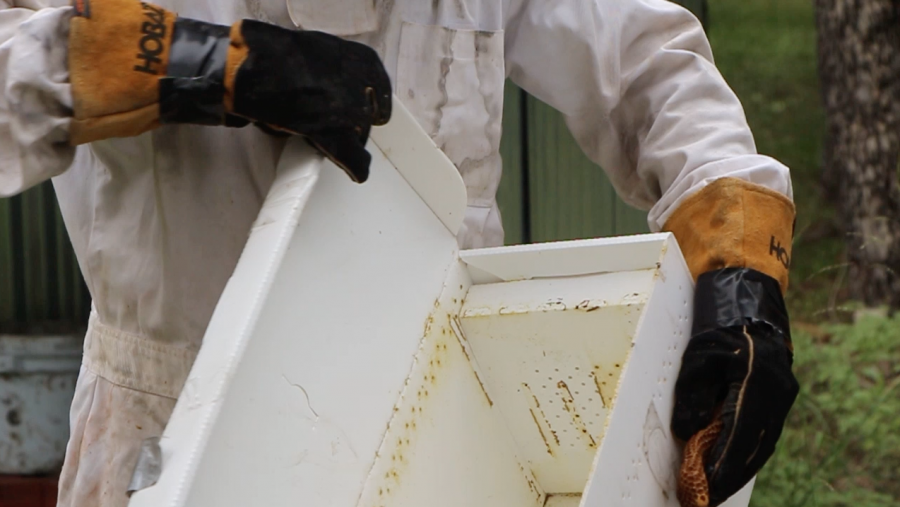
column 841, row 445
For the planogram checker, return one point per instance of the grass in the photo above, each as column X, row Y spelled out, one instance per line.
column 841, row 445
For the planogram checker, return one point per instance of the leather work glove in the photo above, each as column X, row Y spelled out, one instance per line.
column 735, row 387
column 134, row 66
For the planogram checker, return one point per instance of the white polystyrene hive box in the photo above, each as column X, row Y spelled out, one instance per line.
column 357, row 358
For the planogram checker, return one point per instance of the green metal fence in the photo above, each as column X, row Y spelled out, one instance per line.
column 550, row 191
column 41, row 289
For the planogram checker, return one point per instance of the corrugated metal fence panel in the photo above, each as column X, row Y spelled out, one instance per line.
column 7, row 282
column 509, row 196
column 570, row 196
column 36, row 250
column 41, row 288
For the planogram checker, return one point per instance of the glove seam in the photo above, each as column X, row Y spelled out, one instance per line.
column 739, row 403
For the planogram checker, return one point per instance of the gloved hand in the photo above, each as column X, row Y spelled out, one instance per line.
column 735, row 387
column 736, row 380
column 134, row 66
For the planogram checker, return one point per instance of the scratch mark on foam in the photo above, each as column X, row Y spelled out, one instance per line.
column 305, row 394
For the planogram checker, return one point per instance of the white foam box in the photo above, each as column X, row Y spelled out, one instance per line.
column 358, row 358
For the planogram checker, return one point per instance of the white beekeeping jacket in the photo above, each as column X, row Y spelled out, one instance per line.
column 158, row 221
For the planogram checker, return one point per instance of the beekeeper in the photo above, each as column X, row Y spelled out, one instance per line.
column 162, row 131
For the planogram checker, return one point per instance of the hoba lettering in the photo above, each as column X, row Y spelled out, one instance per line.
column 779, row 252
column 83, row 8
column 152, row 44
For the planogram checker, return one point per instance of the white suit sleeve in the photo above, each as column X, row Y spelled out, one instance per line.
column 636, row 82
column 35, row 97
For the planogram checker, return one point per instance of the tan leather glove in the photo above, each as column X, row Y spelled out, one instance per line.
column 134, row 66
column 735, row 387
column 732, row 223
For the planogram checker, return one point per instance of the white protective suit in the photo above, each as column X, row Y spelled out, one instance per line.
column 158, row 221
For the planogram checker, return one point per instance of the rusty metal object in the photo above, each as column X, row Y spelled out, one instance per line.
column 37, row 383
column 693, row 487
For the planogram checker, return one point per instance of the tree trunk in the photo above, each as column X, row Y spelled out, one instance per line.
column 859, row 69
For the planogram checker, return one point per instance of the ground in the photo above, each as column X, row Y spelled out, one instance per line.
column 841, row 446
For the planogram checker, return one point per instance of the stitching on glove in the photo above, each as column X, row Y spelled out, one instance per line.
column 739, row 403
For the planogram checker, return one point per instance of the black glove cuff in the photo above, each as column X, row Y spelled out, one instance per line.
column 194, row 89
column 734, row 297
